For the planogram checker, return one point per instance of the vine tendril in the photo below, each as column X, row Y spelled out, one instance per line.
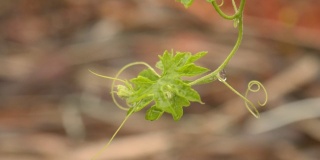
column 259, row 86
column 249, row 105
column 221, row 4
column 234, row 6
column 164, row 91
column 107, row 77
column 114, row 79
column 114, row 135
column 117, row 75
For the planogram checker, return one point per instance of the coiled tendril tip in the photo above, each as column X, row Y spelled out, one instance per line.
column 249, row 105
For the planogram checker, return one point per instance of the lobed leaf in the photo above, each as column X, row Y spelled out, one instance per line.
column 167, row 92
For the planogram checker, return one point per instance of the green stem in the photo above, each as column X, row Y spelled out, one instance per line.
column 213, row 74
column 229, row 17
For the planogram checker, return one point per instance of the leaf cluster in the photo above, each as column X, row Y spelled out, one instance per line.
column 166, row 92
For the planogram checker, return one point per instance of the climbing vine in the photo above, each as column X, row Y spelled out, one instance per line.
column 168, row 91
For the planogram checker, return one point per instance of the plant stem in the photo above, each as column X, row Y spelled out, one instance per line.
column 237, row 16
column 229, row 17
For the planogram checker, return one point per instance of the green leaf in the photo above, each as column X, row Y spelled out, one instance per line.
column 123, row 91
column 186, row 3
column 166, row 60
column 192, row 70
column 197, row 56
column 142, row 103
column 184, row 90
column 179, row 102
column 153, row 113
column 149, row 74
column 168, row 92
column 141, row 82
column 181, row 58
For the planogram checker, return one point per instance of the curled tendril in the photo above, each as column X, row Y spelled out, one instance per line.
column 259, row 87
column 249, row 105
column 116, row 102
column 114, row 79
column 221, row 4
column 118, row 74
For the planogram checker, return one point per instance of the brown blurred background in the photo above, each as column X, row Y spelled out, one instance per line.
column 52, row 108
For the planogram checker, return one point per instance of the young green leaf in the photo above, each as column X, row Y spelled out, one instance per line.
column 192, row 70
column 186, row 3
column 168, row 92
column 197, row 56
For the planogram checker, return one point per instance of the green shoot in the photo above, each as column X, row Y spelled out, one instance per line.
column 168, row 92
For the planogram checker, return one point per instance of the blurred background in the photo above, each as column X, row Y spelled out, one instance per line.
column 52, row 108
